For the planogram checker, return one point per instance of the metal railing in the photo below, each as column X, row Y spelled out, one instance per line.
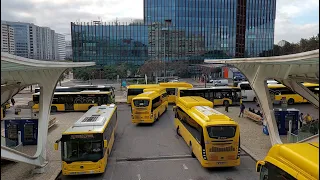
column 306, row 131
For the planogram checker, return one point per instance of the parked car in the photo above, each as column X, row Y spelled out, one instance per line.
column 220, row 82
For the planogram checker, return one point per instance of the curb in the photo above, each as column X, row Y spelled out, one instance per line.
column 250, row 153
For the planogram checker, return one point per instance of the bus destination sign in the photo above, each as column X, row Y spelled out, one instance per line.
column 81, row 136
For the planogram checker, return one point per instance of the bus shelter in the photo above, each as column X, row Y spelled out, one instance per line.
column 18, row 73
column 289, row 70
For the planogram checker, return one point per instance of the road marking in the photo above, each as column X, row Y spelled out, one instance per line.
column 184, row 166
column 139, row 177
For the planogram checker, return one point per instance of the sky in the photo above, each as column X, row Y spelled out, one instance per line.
column 295, row 19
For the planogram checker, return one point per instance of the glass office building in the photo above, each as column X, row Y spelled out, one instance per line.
column 190, row 30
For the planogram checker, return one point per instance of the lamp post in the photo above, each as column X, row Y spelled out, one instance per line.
column 167, row 23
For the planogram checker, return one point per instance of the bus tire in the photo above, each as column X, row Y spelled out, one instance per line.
column 54, row 109
column 225, row 102
column 90, row 107
column 291, row 101
column 178, row 131
column 191, row 151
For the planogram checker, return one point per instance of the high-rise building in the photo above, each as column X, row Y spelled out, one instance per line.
column 68, row 50
column 60, row 44
column 32, row 41
column 7, row 39
column 180, row 30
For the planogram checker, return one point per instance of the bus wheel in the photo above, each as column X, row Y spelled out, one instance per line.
column 53, row 109
column 90, row 107
column 191, row 151
column 225, row 103
column 291, row 101
column 178, row 131
column 165, row 110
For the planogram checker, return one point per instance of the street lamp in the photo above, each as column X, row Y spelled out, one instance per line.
column 167, row 23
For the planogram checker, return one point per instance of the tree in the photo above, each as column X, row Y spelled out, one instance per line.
column 152, row 67
column 180, row 67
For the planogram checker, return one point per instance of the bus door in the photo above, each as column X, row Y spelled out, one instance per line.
column 69, row 103
column 235, row 96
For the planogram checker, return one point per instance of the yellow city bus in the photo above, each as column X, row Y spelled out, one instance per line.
column 134, row 90
column 148, row 107
column 87, row 144
column 278, row 91
column 221, row 95
column 290, row 161
column 213, row 138
column 171, row 89
column 75, row 101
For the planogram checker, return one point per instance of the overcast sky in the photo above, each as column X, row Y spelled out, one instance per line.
column 295, row 18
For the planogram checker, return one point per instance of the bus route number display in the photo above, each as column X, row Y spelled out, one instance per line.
column 81, row 136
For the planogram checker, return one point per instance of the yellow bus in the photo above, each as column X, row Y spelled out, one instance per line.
column 171, row 89
column 75, row 101
column 278, row 91
column 149, row 106
column 297, row 161
column 220, row 95
column 134, row 90
column 87, row 144
column 213, row 138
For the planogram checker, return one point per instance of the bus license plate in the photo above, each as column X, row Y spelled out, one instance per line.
column 220, row 163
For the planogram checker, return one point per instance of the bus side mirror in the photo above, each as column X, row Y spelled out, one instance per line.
column 105, row 143
column 259, row 165
column 56, row 146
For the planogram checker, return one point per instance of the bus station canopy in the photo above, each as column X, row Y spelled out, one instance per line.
column 18, row 72
column 289, row 70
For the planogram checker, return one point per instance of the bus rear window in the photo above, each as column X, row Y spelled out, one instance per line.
column 35, row 99
column 134, row 92
column 221, row 132
column 141, row 103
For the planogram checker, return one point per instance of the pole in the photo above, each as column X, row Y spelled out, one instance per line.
column 164, row 73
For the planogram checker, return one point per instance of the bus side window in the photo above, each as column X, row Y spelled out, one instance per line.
column 264, row 173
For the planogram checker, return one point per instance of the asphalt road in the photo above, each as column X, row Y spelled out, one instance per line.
column 155, row 152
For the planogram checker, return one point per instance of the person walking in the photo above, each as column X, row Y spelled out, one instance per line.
column 301, row 119
column 12, row 101
column 226, row 107
column 242, row 107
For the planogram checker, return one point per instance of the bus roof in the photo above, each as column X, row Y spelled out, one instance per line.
column 176, row 84
column 213, row 87
column 304, row 156
column 81, row 92
column 142, row 86
column 93, row 121
column 147, row 95
column 160, row 90
column 282, row 86
column 208, row 116
column 191, row 101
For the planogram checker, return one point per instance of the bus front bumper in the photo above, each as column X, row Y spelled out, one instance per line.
column 96, row 171
column 229, row 163
column 138, row 121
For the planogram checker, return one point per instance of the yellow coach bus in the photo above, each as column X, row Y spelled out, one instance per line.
column 75, row 101
column 135, row 89
column 297, row 161
column 87, row 144
column 279, row 91
column 213, row 138
column 171, row 89
column 149, row 106
column 221, row 95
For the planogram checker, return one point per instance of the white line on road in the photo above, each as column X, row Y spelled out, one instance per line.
column 184, row 166
column 139, row 177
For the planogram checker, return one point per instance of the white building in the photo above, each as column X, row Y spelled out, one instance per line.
column 60, row 44
column 68, row 49
column 32, row 41
column 7, row 39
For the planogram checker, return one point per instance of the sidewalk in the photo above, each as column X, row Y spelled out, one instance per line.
column 252, row 138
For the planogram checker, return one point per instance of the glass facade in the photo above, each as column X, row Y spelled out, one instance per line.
column 190, row 30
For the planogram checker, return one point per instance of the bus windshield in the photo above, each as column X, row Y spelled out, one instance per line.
column 221, row 132
column 82, row 150
column 141, row 103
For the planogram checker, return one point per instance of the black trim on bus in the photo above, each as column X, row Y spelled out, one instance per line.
column 313, row 145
